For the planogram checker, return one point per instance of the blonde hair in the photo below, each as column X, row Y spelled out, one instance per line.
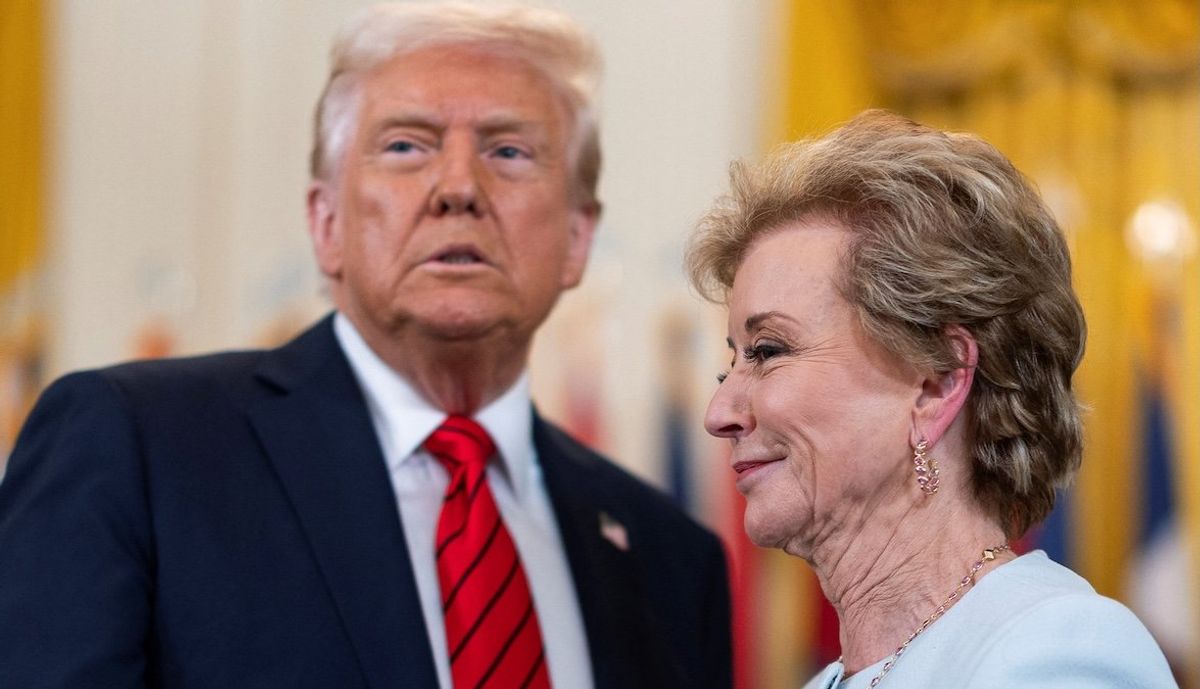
column 550, row 41
column 945, row 232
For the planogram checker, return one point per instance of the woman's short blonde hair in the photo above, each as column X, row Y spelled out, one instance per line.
column 549, row 40
column 946, row 232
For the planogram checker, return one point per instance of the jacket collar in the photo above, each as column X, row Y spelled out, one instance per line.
column 319, row 437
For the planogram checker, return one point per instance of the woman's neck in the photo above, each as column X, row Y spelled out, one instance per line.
column 885, row 581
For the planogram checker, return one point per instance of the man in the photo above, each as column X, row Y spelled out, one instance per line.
column 375, row 504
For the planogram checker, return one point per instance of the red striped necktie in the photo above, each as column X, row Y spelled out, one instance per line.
column 492, row 633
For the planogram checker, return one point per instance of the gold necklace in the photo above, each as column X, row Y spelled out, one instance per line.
column 989, row 554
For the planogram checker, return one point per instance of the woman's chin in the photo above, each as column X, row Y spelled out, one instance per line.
column 766, row 530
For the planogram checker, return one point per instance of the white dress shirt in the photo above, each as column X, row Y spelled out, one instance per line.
column 402, row 420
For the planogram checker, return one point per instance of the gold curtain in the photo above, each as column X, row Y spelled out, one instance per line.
column 1099, row 103
column 22, row 217
column 20, row 138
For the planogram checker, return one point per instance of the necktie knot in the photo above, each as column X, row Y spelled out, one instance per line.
column 460, row 440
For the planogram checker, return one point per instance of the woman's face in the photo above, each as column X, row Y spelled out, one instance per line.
column 817, row 414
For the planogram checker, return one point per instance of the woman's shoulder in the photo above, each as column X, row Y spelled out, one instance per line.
column 1031, row 579
column 1035, row 594
column 1030, row 623
column 1037, row 623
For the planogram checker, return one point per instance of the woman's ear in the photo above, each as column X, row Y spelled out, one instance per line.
column 943, row 395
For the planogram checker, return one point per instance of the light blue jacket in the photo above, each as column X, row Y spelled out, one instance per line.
column 1030, row 623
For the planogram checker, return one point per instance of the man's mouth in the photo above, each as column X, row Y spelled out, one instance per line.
column 458, row 256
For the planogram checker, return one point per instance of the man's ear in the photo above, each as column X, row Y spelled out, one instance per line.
column 323, row 228
column 943, row 395
column 579, row 244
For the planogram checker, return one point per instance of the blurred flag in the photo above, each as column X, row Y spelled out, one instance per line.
column 745, row 577
column 583, row 419
column 1157, row 584
column 677, row 361
column 676, row 427
column 155, row 339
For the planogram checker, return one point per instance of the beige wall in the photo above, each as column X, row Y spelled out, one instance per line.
column 179, row 153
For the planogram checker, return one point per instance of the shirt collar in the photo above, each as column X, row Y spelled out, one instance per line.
column 404, row 419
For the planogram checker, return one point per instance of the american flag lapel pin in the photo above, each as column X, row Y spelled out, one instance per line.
column 614, row 532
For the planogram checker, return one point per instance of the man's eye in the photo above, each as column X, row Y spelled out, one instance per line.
column 508, row 152
column 401, row 146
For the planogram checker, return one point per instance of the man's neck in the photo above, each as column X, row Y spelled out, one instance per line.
column 456, row 376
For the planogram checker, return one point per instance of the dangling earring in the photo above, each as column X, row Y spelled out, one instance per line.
column 926, row 468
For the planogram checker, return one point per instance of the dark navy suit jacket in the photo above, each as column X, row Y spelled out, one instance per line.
column 228, row 521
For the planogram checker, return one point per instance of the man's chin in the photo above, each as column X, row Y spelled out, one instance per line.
column 449, row 324
column 454, row 330
column 465, row 315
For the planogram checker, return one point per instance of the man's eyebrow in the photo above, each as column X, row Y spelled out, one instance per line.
column 508, row 122
column 419, row 120
column 488, row 126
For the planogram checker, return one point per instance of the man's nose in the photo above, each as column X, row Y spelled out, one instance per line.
column 729, row 414
column 458, row 187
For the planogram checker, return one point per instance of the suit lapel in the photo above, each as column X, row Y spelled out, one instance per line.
column 622, row 652
column 320, row 439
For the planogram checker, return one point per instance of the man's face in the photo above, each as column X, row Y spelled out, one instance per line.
column 451, row 211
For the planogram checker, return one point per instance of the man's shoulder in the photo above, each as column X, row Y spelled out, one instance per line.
column 173, row 375
column 228, row 363
column 231, row 370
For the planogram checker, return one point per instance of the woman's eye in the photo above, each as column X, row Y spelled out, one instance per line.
column 762, row 351
column 722, row 376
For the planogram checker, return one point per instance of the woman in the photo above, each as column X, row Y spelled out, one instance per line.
column 899, row 406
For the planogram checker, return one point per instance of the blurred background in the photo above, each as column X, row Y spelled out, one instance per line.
column 152, row 172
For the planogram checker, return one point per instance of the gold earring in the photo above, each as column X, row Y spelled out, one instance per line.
column 926, row 468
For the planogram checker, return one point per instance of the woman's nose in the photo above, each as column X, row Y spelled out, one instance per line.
column 729, row 414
